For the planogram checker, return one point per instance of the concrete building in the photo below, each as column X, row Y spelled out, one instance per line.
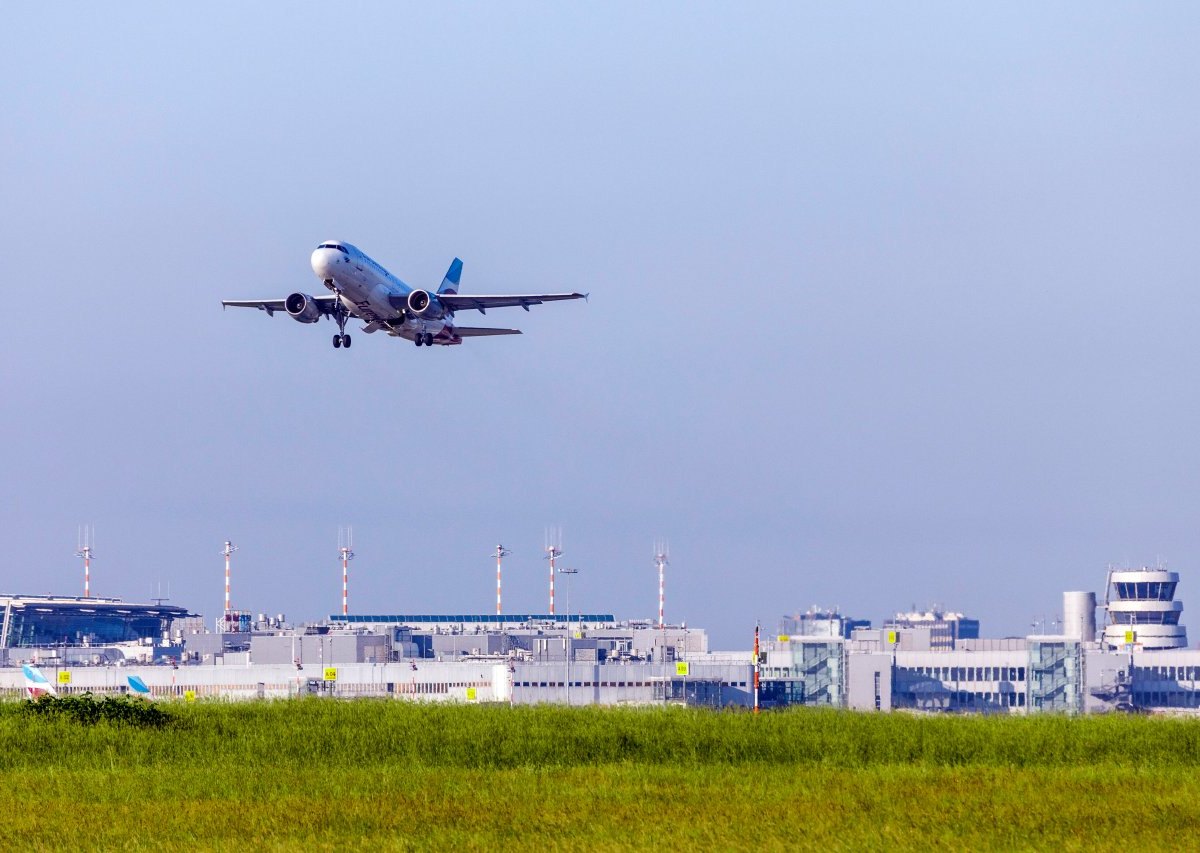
column 945, row 628
column 818, row 622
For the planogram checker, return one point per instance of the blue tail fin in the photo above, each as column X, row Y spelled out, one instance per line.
column 450, row 282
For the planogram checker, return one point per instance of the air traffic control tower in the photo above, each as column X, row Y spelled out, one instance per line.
column 1142, row 610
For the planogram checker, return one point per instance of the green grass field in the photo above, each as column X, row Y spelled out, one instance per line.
column 363, row 775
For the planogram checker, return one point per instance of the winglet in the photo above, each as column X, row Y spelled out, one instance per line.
column 453, row 276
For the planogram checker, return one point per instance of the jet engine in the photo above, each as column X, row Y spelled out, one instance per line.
column 422, row 304
column 302, row 307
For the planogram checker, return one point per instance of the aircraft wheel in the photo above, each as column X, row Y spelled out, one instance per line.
column 346, row 341
column 418, row 339
column 337, row 341
column 429, row 339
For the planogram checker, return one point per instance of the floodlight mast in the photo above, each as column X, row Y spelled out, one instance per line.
column 500, row 553
column 346, row 550
column 553, row 552
column 86, row 540
column 227, row 551
column 568, row 573
column 661, row 558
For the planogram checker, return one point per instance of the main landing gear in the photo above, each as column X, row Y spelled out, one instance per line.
column 341, row 341
column 425, row 338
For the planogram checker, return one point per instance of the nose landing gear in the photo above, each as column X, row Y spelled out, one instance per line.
column 341, row 339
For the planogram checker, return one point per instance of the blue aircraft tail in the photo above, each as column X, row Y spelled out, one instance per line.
column 137, row 687
column 450, row 282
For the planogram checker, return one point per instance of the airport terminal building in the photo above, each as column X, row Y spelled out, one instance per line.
column 1137, row 661
column 37, row 621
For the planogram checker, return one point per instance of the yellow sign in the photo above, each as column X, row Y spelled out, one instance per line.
column 891, row 637
column 331, row 673
column 189, row 695
column 1130, row 637
column 470, row 694
column 64, row 676
column 681, row 667
column 784, row 638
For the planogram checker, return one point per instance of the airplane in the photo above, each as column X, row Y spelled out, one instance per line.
column 36, row 684
column 362, row 288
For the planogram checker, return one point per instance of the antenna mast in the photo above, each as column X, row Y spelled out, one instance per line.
column 553, row 552
column 501, row 552
column 86, row 541
column 346, row 549
column 227, row 551
column 661, row 553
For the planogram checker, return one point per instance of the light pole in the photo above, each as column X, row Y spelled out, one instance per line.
column 500, row 553
column 568, row 573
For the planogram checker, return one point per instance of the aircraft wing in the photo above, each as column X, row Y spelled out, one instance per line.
column 465, row 301
column 477, row 332
column 325, row 303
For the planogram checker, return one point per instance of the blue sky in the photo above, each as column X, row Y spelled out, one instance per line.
column 890, row 306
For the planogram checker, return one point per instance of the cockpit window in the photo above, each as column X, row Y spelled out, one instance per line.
column 341, row 249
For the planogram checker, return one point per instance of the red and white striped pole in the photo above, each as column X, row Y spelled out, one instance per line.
column 501, row 552
column 345, row 548
column 345, row 583
column 756, row 682
column 660, row 557
column 554, row 554
column 228, row 551
column 85, row 551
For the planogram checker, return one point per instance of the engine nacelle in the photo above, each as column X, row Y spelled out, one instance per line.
column 302, row 307
column 424, row 305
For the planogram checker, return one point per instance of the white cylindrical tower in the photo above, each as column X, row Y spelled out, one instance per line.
column 1079, row 615
column 1142, row 610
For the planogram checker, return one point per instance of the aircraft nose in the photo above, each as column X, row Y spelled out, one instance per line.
column 321, row 263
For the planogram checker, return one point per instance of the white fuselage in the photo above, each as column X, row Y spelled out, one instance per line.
column 373, row 294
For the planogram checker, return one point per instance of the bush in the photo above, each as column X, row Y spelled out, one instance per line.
column 88, row 710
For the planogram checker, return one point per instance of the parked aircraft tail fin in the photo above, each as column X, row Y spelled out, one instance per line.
column 138, row 687
column 450, row 282
column 36, row 684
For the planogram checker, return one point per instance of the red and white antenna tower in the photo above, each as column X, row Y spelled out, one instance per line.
column 86, row 539
column 501, row 552
column 346, row 549
column 553, row 552
column 661, row 553
column 227, row 551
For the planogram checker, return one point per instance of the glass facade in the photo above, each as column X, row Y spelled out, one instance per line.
column 1146, row 590
column 1159, row 617
column 813, row 678
column 51, row 623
